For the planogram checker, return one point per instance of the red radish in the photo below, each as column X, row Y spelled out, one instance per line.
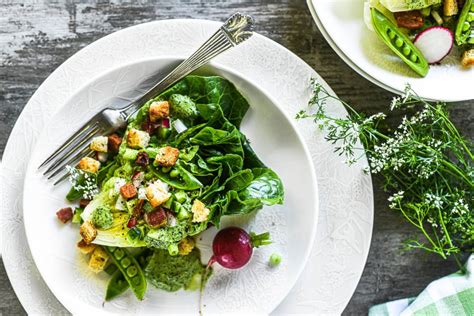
column 435, row 43
column 165, row 122
column 233, row 247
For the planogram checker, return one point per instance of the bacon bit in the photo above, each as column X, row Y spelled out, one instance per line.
column 156, row 218
column 138, row 210
column 128, row 191
column 64, row 214
column 132, row 222
column 84, row 202
column 142, row 159
column 137, row 178
column 165, row 123
column 409, row 19
column 149, row 126
column 114, row 142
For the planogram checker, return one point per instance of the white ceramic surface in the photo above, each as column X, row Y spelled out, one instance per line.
column 341, row 23
column 256, row 288
column 346, row 207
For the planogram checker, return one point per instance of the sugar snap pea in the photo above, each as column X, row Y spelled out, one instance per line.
column 399, row 43
column 465, row 27
column 130, row 269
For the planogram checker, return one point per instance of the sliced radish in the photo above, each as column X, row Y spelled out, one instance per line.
column 435, row 43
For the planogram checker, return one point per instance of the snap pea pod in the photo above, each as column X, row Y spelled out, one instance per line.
column 399, row 43
column 465, row 27
column 130, row 269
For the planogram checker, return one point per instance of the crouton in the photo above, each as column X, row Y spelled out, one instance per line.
column 159, row 110
column 167, row 156
column 200, row 211
column 113, row 143
column 137, row 138
column 450, row 7
column 157, row 193
column 467, row 59
column 98, row 259
column 85, row 248
column 88, row 232
column 89, row 164
column 185, row 246
column 100, row 144
column 128, row 191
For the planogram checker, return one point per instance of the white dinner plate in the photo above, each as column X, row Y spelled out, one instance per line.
column 346, row 206
column 256, row 288
column 341, row 23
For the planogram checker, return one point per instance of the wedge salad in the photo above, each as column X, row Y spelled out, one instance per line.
column 424, row 32
column 146, row 192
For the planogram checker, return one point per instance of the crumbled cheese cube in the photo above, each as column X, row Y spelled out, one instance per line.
column 200, row 211
column 137, row 138
column 185, row 246
column 100, row 144
column 89, row 164
column 159, row 110
column 98, row 259
column 157, row 193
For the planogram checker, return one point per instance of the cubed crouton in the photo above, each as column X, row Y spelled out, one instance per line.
column 114, row 142
column 167, row 156
column 98, row 259
column 128, row 191
column 200, row 211
column 450, row 7
column 159, row 110
column 157, row 193
column 467, row 59
column 185, row 246
column 137, row 138
column 85, row 248
column 100, row 144
column 89, row 164
column 88, row 232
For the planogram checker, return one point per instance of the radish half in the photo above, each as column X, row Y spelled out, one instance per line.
column 435, row 43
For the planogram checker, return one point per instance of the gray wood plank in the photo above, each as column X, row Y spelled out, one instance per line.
column 37, row 36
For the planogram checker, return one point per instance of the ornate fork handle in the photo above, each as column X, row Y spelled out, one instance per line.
column 234, row 31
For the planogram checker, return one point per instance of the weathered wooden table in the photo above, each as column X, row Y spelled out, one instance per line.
column 36, row 36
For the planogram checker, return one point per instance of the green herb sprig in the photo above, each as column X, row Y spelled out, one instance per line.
column 426, row 165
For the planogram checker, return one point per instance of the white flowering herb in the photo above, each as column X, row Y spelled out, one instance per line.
column 425, row 163
column 83, row 184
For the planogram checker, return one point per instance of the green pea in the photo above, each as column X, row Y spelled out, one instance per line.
column 174, row 173
column 125, row 262
column 132, row 271
column 470, row 17
column 466, row 26
column 406, row 50
column 391, row 34
column 413, row 58
column 111, row 249
column 398, row 42
column 136, row 281
column 275, row 259
column 119, row 253
column 166, row 169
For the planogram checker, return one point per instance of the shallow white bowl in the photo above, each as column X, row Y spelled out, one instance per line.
column 342, row 24
column 256, row 288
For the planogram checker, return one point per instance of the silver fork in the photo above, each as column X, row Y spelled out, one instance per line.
column 234, row 31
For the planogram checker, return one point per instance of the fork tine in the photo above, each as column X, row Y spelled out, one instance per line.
column 72, row 161
column 64, row 177
column 79, row 146
column 85, row 128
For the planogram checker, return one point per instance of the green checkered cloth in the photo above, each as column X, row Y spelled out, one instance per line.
column 451, row 295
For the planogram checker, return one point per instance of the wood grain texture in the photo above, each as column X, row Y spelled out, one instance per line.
column 37, row 36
